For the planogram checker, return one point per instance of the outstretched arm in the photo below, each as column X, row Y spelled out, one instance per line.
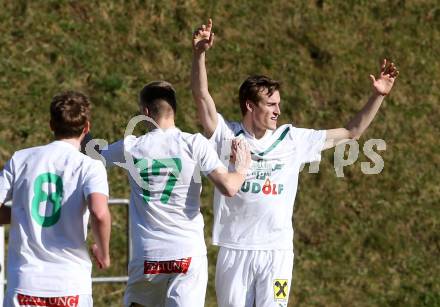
column 202, row 40
column 354, row 129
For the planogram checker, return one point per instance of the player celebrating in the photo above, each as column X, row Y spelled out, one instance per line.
column 53, row 188
column 169, row 263
column 254, row 228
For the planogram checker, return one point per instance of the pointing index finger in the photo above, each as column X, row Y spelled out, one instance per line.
column 209, row 27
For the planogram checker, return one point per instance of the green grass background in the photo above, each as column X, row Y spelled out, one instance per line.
column 361, row 240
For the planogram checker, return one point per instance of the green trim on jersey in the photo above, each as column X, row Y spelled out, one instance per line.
column 271, row 147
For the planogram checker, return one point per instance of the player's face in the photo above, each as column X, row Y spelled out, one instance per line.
column 267, row 111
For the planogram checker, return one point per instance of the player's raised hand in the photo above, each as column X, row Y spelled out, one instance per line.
column 203, row 37
column 241, row 155
column 102, row 261
column 385, row 82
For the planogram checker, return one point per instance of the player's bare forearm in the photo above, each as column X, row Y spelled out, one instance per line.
column 101, row 234
column 101, row 227
column 235, row 181
column 199, row 78
column 227, row 183
column 206, row 109
column 5, row 214
column 359, row 123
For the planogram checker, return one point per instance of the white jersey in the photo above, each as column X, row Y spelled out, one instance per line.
column 259, row 216
column 49, row 185
column 164, row 174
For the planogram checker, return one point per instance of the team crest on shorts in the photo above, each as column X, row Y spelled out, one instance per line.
column 281, row 290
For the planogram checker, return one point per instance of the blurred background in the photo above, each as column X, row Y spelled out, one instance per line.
column 360, row 240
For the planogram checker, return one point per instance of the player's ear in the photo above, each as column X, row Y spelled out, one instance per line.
column 250, row 106
column 144, row 111
column 87, row 127
column 51, row 125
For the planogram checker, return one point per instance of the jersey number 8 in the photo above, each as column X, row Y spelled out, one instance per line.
column 53, row 197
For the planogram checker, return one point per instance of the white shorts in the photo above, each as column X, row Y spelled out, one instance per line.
column 247, row 278
column 179, row 282
column 14, row 299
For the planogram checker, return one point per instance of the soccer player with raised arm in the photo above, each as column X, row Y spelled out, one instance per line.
column 169, row 262
column 254, row 227
column 54, row 188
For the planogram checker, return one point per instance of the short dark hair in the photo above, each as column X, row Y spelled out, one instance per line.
column 252, row 88
column 69, row 114
column 152, row 95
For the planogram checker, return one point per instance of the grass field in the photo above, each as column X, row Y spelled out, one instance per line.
column 361, row 240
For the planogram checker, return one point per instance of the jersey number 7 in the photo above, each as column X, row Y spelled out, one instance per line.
column 153, row 169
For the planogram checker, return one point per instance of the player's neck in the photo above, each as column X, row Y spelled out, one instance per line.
column 252, row 129
column 76, row 142
column 165, row 122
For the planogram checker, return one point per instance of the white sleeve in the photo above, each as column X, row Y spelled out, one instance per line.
column 205, row 155
column 6, row 182
column 115, row 152
column 221, row 139
column 95, row 179
column 222, row 133
column 309, row 143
